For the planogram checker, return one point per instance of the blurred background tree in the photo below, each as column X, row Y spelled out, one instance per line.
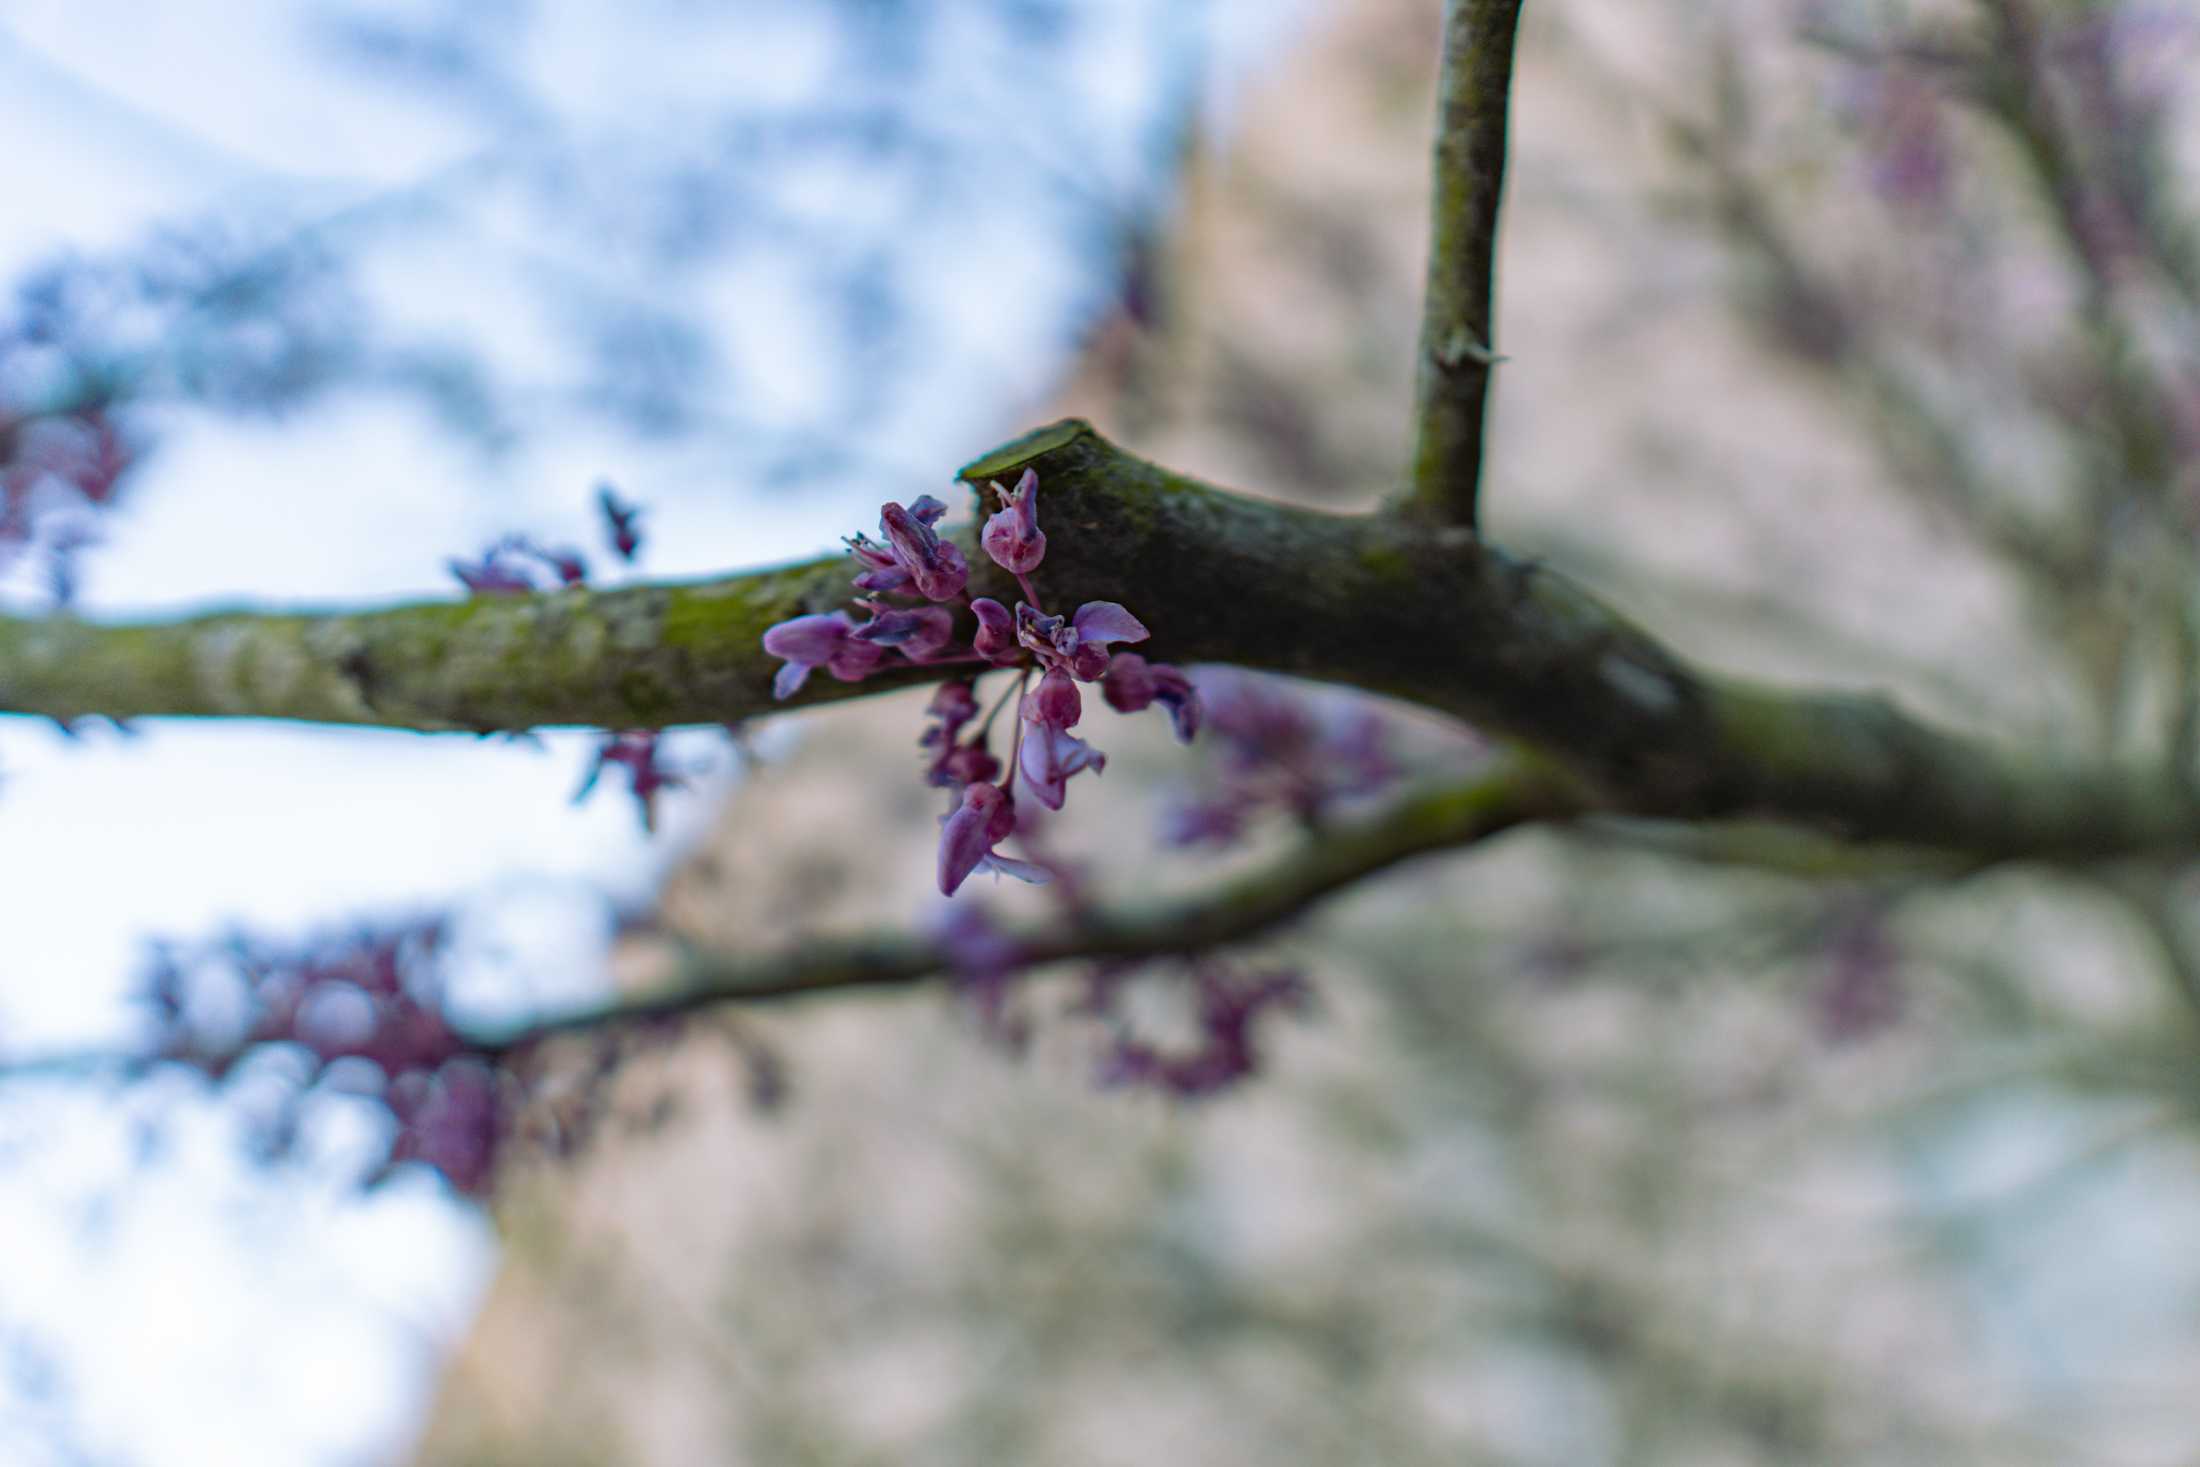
column 1848, row 345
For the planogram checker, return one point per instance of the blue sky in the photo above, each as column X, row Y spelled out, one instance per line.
column 177, row 1304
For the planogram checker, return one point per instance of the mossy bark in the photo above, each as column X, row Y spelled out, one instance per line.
column 1381, row 602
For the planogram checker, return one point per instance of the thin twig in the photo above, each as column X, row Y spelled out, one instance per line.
column 1473, row 96
column 1517, row 790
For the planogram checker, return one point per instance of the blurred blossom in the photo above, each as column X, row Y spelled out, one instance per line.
column 1858, row 991
column 364, row 1012
column 1283, row 751
column 1223, row 1052
column 1907, row 145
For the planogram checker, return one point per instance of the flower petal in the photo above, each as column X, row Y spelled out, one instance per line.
column 964, row 840
column 808, row 638
column 1102, row 622
column 1042, row 772
column 790, row 680
column 1022, row 870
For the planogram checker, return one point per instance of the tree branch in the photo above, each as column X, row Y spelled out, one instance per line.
column 1473, row 94
column 1518, row 790
column 640, row 656
column 1375, row 602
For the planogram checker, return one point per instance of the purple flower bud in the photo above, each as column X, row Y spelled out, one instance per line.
column 968, row 836
column 1133, row 684
column 953, row 704
column 806, row 642
column 567, row 565
column 621, row 520
column 996, row 638
column 811, row 639
column 968, row 764
column 986, row 817
column 1056, row 703
column 937, row 567
column 1175, row 692
column 1012, row 536
column 1129, row 684
column 1089, row 663
column 926, row 510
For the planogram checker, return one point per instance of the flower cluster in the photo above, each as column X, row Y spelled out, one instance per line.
column 365, row 1012
column 1229, row 1007
column 510, row 566
column 637, row 753
column 1284, row 752
column 1216, row 1049
column 520, row 565
column 914, row 583
column 58, row 473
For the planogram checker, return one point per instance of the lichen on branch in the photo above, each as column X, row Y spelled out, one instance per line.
column 1383, row 603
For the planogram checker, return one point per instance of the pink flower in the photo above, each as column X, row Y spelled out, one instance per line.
column 1012, row 536
column 996, row 637
column 935, row 565
column 1047, row 757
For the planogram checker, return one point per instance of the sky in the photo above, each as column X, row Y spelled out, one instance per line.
column 164, row 1300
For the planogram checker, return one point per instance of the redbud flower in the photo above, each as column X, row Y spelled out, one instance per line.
column 937, row 567
column 1230, row 1008
column 1097, row 624
column 986, row 817
column 996, row 637
column 968, row 764
column 826, row 641
column 1012, row 536
column 1079, row 643
column 1047, row 757
column 954, row 705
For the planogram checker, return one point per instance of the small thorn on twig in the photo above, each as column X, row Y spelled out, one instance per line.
column 1462, row 347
